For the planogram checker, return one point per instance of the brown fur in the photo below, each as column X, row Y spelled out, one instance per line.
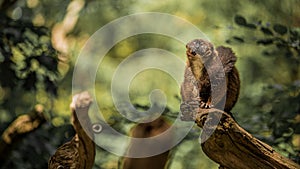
column 199, row 51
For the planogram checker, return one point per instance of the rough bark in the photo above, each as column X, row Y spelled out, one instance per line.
column 234, row 148
column 19, row 128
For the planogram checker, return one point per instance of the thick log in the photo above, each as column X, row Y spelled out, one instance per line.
column 226, row 143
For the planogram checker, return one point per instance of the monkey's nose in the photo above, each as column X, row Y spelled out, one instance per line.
column 193, row 52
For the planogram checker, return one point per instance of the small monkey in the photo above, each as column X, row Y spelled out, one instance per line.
column 196, row 88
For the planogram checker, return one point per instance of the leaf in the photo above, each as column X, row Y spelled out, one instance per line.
column 266, row 31
column 239, row 39
column 240, row 20
column 259, row 22
column 228, row 41
column 281, row 29
column 265, row 41
column 250, row 25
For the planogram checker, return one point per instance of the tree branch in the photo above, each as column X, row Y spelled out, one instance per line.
column 232, row 147
column 20, row 127
column 79, row 153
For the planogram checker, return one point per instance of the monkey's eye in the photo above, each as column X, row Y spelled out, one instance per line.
column 60, row 167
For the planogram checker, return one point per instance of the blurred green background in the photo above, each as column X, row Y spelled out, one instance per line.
column 41, row 40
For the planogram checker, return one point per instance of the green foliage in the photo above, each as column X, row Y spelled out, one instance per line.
column 29, row 74
column 277, row 110
column 33, row 151
column 27, row 57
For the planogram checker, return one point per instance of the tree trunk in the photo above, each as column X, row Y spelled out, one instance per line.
column 79, row 153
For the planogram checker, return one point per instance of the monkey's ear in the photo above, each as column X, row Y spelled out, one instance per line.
column 227, row 57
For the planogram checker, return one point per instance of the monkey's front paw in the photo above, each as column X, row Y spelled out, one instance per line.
column 205, row 105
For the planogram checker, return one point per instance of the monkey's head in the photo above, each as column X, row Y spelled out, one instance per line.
column 199, row 48
column 199, row 53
